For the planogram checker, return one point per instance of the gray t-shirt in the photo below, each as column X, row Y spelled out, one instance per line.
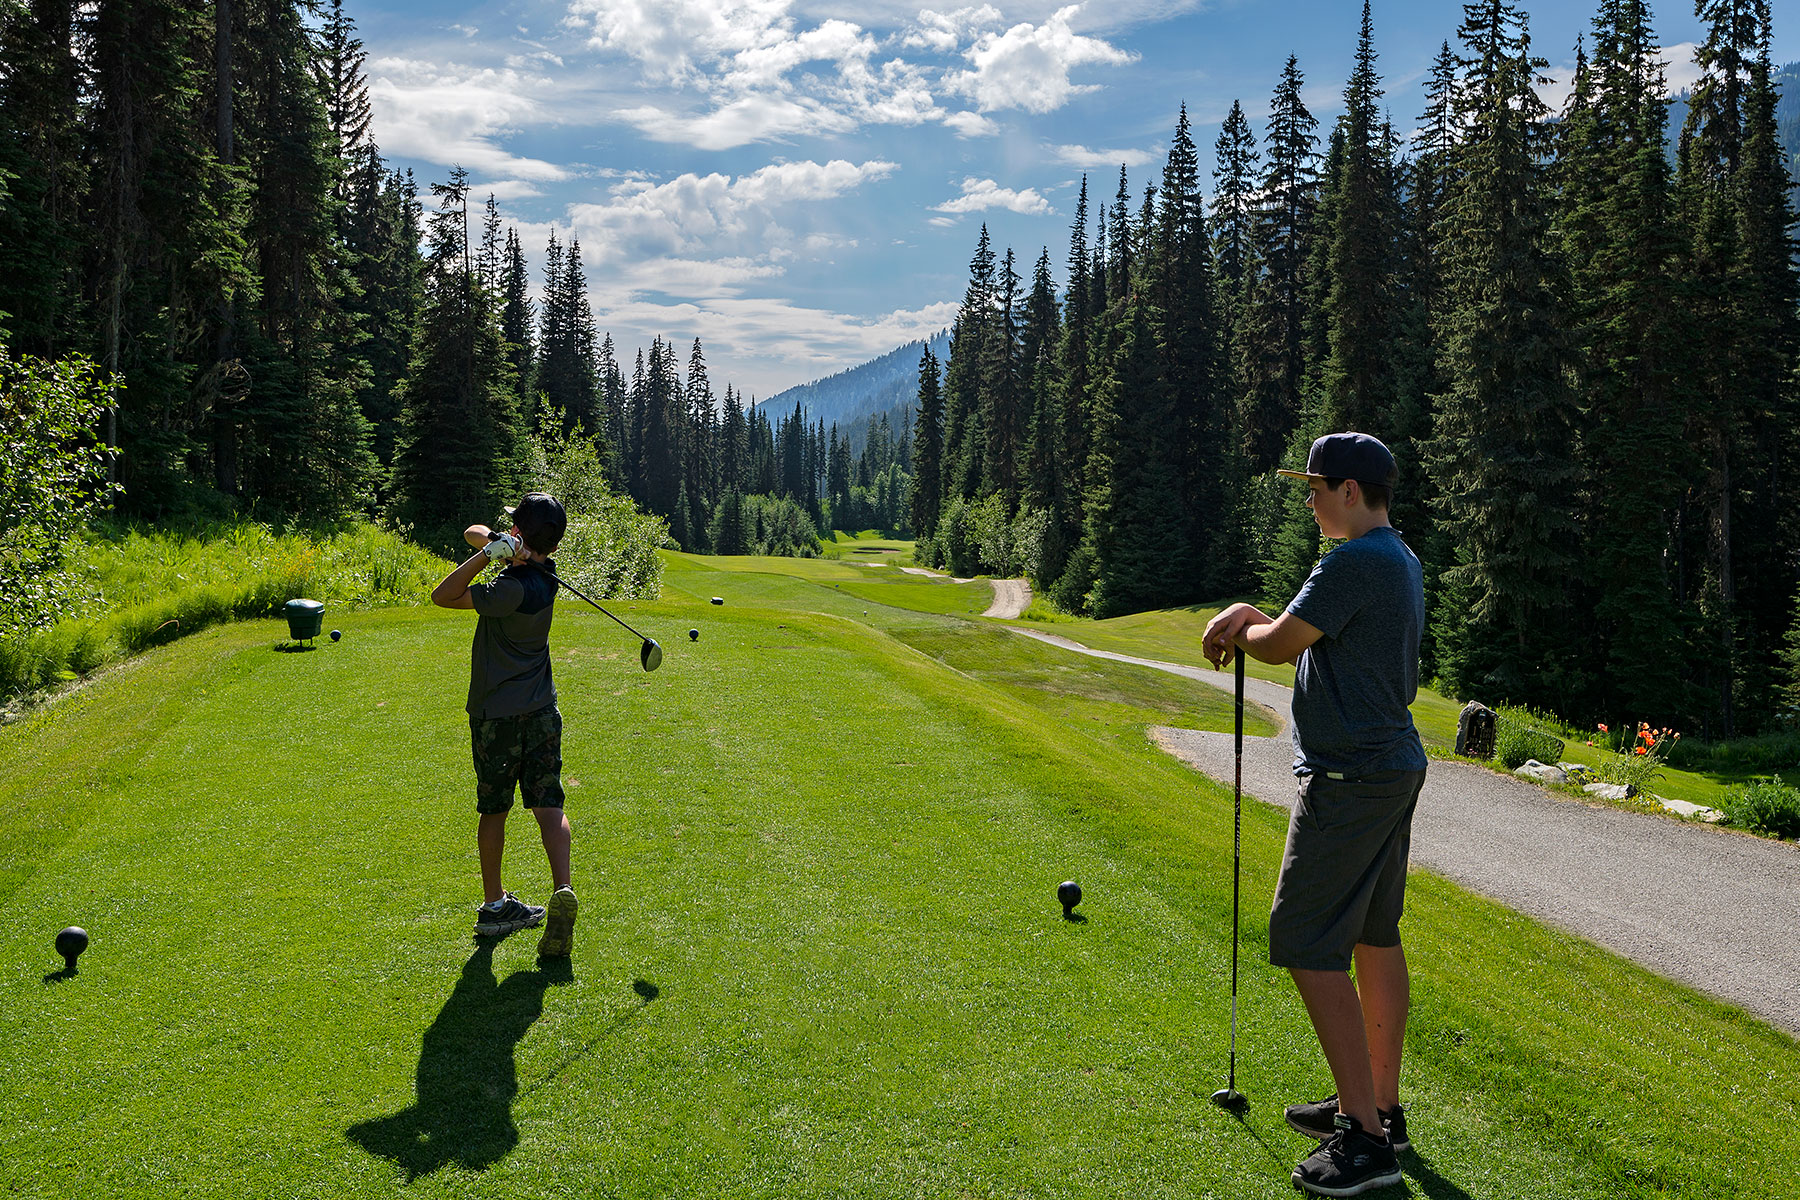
column 509, row 662
column 1353, row 686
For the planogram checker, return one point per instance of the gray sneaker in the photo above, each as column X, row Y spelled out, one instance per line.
column 511, row 913
column 1348, row 1163
column 1315, row 1120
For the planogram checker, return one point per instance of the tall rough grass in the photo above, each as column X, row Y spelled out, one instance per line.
column 149, row 587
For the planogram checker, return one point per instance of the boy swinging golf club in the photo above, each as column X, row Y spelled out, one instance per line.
column 1353, row 633
column 514, row 726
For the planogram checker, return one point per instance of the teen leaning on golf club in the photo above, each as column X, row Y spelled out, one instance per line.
column 514, row 726
column 1352, row 632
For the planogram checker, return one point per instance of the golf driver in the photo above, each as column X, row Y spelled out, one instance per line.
column 1228, row 1096
column 650, row 654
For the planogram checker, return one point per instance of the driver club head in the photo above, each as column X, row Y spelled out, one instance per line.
column 650, row 655
column 1230, row 1099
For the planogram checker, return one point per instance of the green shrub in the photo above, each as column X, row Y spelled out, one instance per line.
column 1769, row 806
column 1519, row 736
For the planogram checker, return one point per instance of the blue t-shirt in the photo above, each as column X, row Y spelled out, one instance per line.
column 1353, row 686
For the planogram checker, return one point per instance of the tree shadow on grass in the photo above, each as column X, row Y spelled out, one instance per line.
column 467, row 1079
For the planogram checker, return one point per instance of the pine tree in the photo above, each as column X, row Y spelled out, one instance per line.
column 1271, row 336
column 1137, row 537
column 1235, row 159
column 168, row 252
column 518, row 314
column 928, row 446
column 1358, row 383
column 1004, row 417
column 1624, row 256
column 304, row 441
column 463, row 433
column 1504, row 429
column 43, row 175
column 965, row 438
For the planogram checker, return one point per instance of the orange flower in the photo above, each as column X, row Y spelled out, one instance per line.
column 1604, row 729
column 1641, row 750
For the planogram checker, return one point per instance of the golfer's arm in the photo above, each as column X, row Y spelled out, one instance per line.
column 1278, row 641
column 453, row 592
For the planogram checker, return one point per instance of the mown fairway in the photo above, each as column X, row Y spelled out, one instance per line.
column 819, row 952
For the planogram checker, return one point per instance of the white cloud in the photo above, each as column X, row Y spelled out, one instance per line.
column 942, row 33
column 503, row 190
column 672, row 39
column 981, row 194
column 453, row 115
column 1081, row 156
column 714, row 215
column 971, row 125
column 1028, row 66
column 738, row 123
column 942, row 222
column 1682, row 72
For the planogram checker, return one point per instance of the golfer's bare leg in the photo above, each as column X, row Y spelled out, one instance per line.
column 490, row 840
column 553, row 824
column 1384, row 987
column 1337, row 1019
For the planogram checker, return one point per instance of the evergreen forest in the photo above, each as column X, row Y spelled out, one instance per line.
column 1579, row 331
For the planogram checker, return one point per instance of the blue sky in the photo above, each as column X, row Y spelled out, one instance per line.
column 800, row 183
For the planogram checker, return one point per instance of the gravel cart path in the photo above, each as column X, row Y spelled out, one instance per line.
column 1711, row 909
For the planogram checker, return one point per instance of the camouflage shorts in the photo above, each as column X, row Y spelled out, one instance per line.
column 525, row 751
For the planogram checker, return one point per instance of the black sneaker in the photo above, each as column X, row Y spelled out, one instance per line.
column 1349, row 1163
column 1315, row 1120
column 510, row 914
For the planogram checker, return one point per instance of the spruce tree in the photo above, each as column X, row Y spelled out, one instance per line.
column 1004, row 417
column 463, row 436
column 1137, row 537
column 928, row 446
column 1625, row 256
column 1271, row 361
column 1502, row 447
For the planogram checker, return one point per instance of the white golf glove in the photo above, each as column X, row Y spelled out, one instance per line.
column 503, row 546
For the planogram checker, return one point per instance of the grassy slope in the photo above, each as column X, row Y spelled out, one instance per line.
column 819, row 952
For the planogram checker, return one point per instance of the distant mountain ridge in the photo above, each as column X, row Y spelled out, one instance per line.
column 853, row 396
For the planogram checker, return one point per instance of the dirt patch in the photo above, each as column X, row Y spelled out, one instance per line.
column 1011, row 598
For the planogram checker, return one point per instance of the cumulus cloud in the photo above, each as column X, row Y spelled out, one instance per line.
column 981, row 194
column 942, row 33
column 971, row 125
column 714, row 214
column 1081, row 156
column 1028, row 66
column 454, row 115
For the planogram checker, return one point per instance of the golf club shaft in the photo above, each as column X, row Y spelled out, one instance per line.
column 1237, row 827
column 584, row 596
column 560, row 582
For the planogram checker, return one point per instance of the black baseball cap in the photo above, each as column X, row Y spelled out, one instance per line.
column 540, row 517
column 1349, row 456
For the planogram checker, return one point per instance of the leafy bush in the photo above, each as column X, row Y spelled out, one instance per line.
column 610, row 550
column 51, row 480
column 1766, row 805
column 1519, row 736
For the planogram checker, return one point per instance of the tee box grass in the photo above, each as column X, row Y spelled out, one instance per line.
column 819, row 952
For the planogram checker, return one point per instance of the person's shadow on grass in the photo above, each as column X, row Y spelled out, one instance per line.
column 466, row 1079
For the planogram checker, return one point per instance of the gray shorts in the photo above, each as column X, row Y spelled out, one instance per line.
column 1343, row 874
